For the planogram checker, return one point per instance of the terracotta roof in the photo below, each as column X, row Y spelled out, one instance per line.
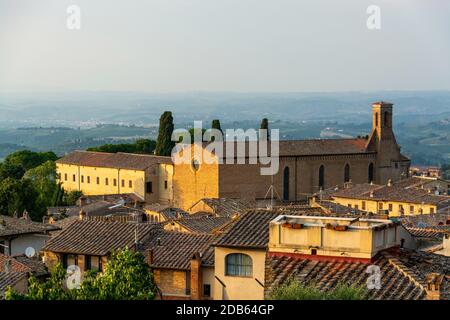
column 9, row 280
column 227, row 207
column 437, row 220
column 322, row 147
column 94, row 237
column 16, row 266
column 174, row 250
column 251, row 229
column 10, row 226
column 395, row 192
column 403, row 273
column 113, row 160
column 203, row 224
column 36, row 266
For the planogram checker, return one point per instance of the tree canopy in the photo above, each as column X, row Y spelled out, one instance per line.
column 164, row 144
column 127, row 277
column 144, row 146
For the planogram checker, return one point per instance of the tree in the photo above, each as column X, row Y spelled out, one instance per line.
column 164, row 144
column 16, row 196
column 294, row 290
column 265, row 126
column 127, row 277
column 140, row 146
column 28, row 159
column 216, row 125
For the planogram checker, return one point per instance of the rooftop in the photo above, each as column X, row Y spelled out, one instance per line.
column 203, row 224
column 100, row 238
column 402, row 191
column 121, row 160
column 403, row 273
column 174, row 250
column 10, row 226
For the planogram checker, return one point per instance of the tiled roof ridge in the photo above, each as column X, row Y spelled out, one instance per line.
column 407, row 272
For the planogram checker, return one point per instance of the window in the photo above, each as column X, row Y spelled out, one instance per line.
column 95, row 263
column 363, row 205
column 431, row 210
column 313, row 252
column 420, row 211
column 148, row 187
column 115, row 182
column 356, row 206
column 390, row 206
column 207, row 290
column 65, row 176
column 72, row 260
column 130, row 184
column 106, row 181
column 82, row 179
column 349, row 205
column 400, row 209
column 347, row 173
column 98, row 180
column 286, row 183
column 88, row 179
column 74, row 178
column 195, row 165
column 371, row 172
column 165, row 184
column 238, row 264
column 123, row 183
column 380, row 206
column 2, row 248
column 376, row 119
column 322, row 177
column 411, row 209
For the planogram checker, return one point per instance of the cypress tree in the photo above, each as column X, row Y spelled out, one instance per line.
column 265, row 125
column 164, row 144
column 216, row 125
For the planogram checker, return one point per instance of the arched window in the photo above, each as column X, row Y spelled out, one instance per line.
column 376, row 119
column 322, row 177
column 386, row 119
column 370, row 173
column 238, row 264
column 347, row 173
column 286, row 183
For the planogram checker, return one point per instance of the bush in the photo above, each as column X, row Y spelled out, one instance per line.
column 294, row 290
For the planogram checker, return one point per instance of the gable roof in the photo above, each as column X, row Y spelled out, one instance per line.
column 227, row 207
column 100, row 238
column 395, row 192
column 174, row 250
column 322, row 147
column 9, row 279
column 16, row 266
column 403, row 273
column 10, row 226
column 203, row 224
column 113, row 160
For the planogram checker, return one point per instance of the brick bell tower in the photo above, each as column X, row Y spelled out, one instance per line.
column 390, row 163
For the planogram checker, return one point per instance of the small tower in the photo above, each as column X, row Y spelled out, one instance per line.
column 390, row 163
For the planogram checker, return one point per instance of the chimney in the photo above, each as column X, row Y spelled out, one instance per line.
column 8, row 265
column 82, row 214
column 149, row 256
column 83, row 201
column 389, row 183
column 434, row 282
column 196, row 276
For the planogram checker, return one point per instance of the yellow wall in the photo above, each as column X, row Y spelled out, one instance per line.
column 239, row 288
column 189, row 185
column 372, row 205
column 85, row 179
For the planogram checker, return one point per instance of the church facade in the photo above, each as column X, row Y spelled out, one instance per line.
column 305, row 167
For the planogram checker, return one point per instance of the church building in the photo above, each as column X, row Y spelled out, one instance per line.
column 305, row 167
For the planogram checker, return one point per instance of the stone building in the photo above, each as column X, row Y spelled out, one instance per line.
column 305, row 167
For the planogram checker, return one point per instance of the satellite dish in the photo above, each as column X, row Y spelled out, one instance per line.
column 30, row 252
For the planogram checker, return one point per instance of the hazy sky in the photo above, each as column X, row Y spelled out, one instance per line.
column 224, row 45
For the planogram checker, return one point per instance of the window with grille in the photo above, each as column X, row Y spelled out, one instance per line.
column 238, row 264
